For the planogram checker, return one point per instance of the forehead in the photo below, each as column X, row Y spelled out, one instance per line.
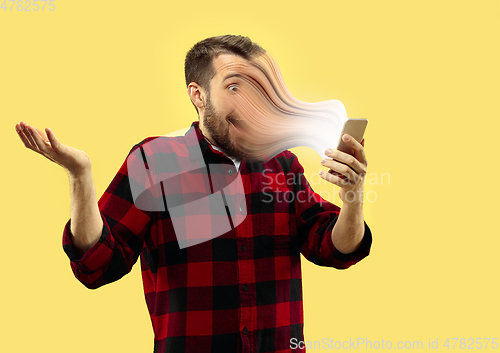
column 228, row 64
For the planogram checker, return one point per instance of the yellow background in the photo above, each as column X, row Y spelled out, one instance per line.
column 106, row 74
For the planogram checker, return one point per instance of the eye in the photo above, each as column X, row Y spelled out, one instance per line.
column 232, row 88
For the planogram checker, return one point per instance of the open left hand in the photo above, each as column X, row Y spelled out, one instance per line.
column 347, row 171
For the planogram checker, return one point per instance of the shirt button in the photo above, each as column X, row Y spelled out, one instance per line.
column 241, row 209
column 230, row 172
column 245, row 331
column 245, row 287
column 243, row 247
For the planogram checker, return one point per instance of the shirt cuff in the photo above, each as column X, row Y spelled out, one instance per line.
column 96, row 256
column 340, row 260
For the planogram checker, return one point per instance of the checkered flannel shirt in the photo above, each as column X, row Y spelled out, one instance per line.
column 238, row 292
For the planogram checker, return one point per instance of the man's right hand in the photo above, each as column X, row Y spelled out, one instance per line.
column 75, row 161
column 86, row 221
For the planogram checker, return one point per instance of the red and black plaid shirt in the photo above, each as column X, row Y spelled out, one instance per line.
column 238, row 292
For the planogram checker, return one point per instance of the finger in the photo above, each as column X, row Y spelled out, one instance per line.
column 340, row 168
column 352, row 179
column 56, row 145
column 331, row 171
column 343, row 158
column 341, row 180
column 334, row 179
column 40, row 144
column 42, row 135
column 23, row 137
column 346, row 158
column 359, row 151
column 25, row 131
column 29, row 136
column 363, row 142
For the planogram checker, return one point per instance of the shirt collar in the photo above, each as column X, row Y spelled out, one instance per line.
column 196, row 143
column 198, row 146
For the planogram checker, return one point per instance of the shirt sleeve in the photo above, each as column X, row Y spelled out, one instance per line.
column 122, row 238
column 316, row 218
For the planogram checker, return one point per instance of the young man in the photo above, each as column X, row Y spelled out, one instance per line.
column 239, row 291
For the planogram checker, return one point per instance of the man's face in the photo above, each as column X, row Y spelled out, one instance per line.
column 250, row 112
column 220, row 121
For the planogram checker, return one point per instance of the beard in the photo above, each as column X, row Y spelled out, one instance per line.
column 218, row 128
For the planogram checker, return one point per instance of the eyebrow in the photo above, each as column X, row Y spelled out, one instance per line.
column 232, row 75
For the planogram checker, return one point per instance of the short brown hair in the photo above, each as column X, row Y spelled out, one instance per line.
column 198, row 66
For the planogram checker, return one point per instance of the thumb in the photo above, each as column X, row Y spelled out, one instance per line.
column 56, row 145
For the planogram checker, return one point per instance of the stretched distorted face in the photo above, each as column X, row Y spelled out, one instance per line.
column 243, row 105
column 249, row 111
